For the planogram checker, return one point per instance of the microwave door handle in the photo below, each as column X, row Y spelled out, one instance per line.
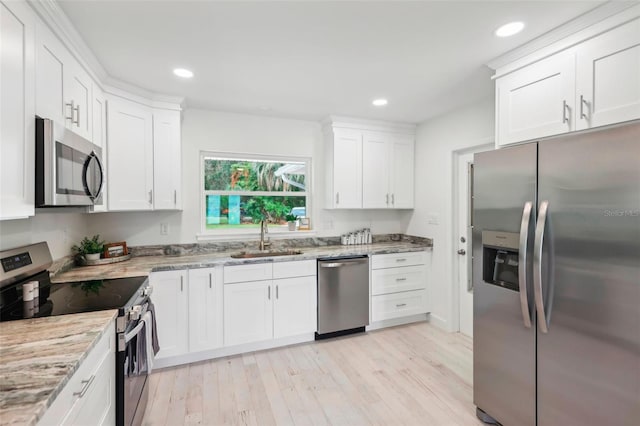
column 522, row 263
column 101, row 184
column 92, row 157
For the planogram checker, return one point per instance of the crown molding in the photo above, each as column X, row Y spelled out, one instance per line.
column 342, row 122
column 53, row 16
column 562, row 32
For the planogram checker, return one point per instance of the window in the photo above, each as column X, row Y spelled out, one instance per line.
column 239, row 192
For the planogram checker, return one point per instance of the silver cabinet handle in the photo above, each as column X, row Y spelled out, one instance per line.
column 77, row 122
column 387, row 200
column 269, row 292
column 337, row 198
column 401, row 279
column 209, row 280
column 85, row 388
column 70, row 105
column 582, row 103
column 537, row 266
column 402, row 259
column 522, row 263
column 181, row 283
column 565, row 119
column 151, row 196
column 175, row 196
column 277, row 292
column 400, row 305
column 393, row 199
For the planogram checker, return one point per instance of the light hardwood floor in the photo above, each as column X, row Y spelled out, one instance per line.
column 408, row 375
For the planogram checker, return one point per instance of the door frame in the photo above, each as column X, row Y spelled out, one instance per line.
column 485, row 144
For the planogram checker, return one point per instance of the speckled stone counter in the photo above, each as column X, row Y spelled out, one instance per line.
column 143, row 265
column 39, row 356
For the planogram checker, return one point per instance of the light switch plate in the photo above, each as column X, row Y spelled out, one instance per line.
column 164, row 229
column 432, row 219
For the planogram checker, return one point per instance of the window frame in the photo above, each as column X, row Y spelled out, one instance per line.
column 208, row 234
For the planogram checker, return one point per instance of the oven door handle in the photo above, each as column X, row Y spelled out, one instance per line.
column 124, row 338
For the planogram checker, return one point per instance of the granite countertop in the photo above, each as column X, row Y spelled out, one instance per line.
column 38, row 357
column 143, row 265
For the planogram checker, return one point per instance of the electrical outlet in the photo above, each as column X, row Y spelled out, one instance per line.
column 164, row 229
column 432, row 219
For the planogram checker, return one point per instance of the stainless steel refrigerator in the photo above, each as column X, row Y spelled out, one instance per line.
column 556, row 272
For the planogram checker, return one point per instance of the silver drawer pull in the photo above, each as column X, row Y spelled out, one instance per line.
column 84, row 389
column 401, row 279
column 400, row 305
column 401, row 260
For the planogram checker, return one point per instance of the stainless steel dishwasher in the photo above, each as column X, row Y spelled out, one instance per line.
column 343, row 296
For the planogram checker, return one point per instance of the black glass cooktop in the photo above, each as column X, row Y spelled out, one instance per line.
column 71, row 298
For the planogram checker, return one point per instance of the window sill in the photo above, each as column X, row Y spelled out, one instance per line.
column 275, row 234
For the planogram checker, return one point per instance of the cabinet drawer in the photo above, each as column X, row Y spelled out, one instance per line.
column 299, row 268
column 393, row 280
column 395, row 260
column 65, row 401
column 252, row 272
column 388, row 306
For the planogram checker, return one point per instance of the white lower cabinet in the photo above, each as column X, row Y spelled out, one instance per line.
column 204, row 306
column 269, row 309
column 248, row 312
column 398, row 285
column 89, row 396
column 170, row 299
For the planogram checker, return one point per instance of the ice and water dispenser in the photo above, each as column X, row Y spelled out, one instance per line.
column 500, row 258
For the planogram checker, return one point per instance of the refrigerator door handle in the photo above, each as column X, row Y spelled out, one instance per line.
column 522, row 263
column 537, row 266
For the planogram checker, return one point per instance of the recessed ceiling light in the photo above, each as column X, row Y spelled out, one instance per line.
column 184, row 73
column 509, row 29
column 380, row 102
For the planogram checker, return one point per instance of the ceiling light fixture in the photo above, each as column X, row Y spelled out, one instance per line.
column 184, row 73
column 380, row 102
column 509, row 29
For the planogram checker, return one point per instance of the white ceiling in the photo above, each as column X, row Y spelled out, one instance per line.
column 308, row 59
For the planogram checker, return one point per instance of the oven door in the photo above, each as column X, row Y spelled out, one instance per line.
column 69, row 168
column 132, row 370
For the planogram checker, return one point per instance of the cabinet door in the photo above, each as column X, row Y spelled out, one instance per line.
column 203, row 308
column 608, row 77
column 17, row 110
column 248, row 312
column 401, row 174
column 166, row 160
column 347, row 169
column 51, row 63
column 295, row 308
column 375, row 171
column 77, row 92
column 130, row 156
column 536, row 101
column 170, row 299
column 99, row 133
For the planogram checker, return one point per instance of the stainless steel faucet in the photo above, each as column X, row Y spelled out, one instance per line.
column 263, row 231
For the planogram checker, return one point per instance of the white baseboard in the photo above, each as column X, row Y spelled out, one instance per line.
column 439, row 322
column 231, row 350
column 397, row 321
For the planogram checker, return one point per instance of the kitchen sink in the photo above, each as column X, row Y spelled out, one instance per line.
column 252, row 254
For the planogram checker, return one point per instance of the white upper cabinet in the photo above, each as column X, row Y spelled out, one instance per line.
column 99, row 136
column 387, row 171
column 593, row 80
column 608, row 77
column 369, row 164
column 344, row 169
column 536, row 101
column 167, row 176
column 17, row 110
column 129, row 155
column 63, row 87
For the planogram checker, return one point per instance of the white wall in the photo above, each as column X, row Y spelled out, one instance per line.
column 436, row 142
column 204, row 130
column 59, row 228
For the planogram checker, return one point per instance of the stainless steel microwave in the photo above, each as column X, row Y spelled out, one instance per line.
column 68, row 167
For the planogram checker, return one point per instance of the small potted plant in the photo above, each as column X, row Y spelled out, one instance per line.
column 291, row 221
column 89, row 248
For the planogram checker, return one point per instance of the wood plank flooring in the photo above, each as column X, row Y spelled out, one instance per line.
column 415, row 374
